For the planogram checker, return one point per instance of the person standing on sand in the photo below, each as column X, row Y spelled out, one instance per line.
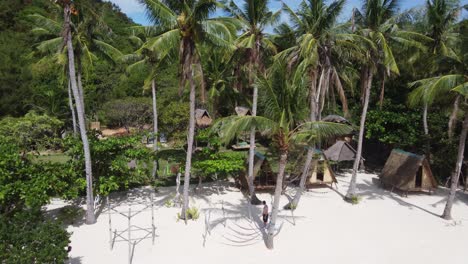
column 265, row 213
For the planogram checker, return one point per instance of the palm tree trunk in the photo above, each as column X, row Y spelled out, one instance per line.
column 341, row 93
column 72, row 109
column 276, row 200
column 456, row 174
column 253, row 198
column 382, row 92
column 352, row 185
column 90, row 217
column 155, row 126
column 254, row 64
column 310, row 152
column 191, row 132
column 453, row 116
column 426, row 133
column 80, row 89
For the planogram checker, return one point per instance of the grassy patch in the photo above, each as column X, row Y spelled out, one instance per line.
column 52, row 157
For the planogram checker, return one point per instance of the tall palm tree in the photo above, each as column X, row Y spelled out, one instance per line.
column 254, row 16
column 67, row 11
column 284, row 103
column 185, row 24
column 147, row 59
column 376, row 22
column 317, row 38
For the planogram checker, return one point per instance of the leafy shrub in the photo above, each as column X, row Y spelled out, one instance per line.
column 117, row 163
column 26, row 237
column 26, row 184
column 127, row 112
column 32, row 132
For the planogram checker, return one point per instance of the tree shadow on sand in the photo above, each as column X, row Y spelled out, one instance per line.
column 241, row 223
column 372, row 190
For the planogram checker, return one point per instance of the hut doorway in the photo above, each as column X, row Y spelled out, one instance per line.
column 320, row 172
column 419, row 176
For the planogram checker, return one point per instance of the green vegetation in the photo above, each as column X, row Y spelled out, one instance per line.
column 399, row 78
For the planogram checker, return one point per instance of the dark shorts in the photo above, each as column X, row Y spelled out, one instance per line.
column 265, row 218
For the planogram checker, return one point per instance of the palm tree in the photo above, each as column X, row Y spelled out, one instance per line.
column 254, row 16
column 317, row 39
column 67, row 5
column 284, row 102
column 147, row 59
column 87, row 30
column 377, row 25
column 185, row 24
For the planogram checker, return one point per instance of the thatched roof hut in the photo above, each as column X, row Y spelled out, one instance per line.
column 242, row 111
column 408, row 172
column 203, row 118
column 340, row 151
column 336, row 119
column 321, row 172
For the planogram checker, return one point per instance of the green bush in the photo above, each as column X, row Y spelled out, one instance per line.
column 110, row 162
column 127, row 112
column 33, row 132
column 26, row 237
column 27, row 184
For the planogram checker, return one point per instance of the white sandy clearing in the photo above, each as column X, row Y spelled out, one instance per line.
column 383, row 228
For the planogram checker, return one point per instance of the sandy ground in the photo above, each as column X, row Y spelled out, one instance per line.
column 383, row 228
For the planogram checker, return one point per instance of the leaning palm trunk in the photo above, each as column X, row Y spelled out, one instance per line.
column 254, row 63
column 352, row 185
column 276, row 201
column 310, row 152
column 191, row 133
column 427, row 144
column 72, row 109
column 456, row 174
column 90, row 217
column 80, row 88
column 253, row 198
column 155, row 127
column 453, row 116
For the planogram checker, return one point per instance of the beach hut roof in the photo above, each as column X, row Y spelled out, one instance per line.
column 336, row 119
column 408, row 172
column 341, row 151
column 203, row 118
column 242, row 111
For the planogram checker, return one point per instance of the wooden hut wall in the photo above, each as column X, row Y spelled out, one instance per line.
column 428, row 180
column 327, row 172
column 400, row 170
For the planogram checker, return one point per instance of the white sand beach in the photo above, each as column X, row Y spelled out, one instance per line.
column 383, row 228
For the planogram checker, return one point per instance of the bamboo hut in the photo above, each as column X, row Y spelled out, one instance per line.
column 264, row 178
column 242, row 111
column 407, row 172
column 321, row 172
column 203, row 118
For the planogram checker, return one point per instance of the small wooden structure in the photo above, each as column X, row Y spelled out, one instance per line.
column 95, row 126
column 242, row 111
column 264, row 178
column 241, row 146
column 407, row 172
column 321, row 172
column 203, row 118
